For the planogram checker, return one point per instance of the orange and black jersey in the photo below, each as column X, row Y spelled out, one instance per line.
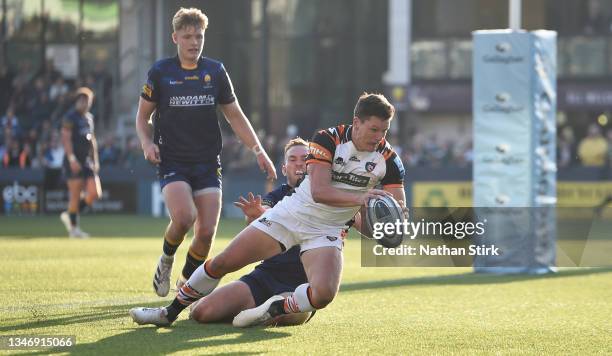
column 185, row 119
column 351, row 167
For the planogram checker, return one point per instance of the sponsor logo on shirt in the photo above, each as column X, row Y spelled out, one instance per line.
column 339, row 161
column 176, row 82
column 370, row 166
column 192, row 100
column 265, row 221
column 192, row 77
column 319, row 152
column 207, row 81
column 354, row 159
column 350, row 179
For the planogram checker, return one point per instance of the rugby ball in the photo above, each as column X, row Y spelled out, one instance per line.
column 380, row 211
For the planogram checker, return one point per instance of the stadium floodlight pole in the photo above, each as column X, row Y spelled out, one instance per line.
column 514, row 14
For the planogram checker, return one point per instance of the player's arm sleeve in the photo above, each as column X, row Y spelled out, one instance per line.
column 150, row 90
column 226, row 89
column 67, row 122
column 322, row 147
column 269, row 199
column 394, row 176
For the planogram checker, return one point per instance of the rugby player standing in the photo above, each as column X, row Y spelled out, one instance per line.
column 81, row 162
column 184, row 140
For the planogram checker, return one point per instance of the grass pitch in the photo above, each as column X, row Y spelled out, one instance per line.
column 56, row 286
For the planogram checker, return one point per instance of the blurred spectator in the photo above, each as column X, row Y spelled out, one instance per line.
column 108, row 152
column 36, row 96
column 10, row 120
column 26, row 157
column 564, row 152
column 42, row 109
column 592, row 149
column 45, row 131
column 18, row 99
column 57, row 89
column 566, row 147
column 5, row 140
column 12, row 153
column 53, row 157
column 132, row 155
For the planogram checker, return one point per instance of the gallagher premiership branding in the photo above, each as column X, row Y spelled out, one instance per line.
column 503, row 55
column 503, row 104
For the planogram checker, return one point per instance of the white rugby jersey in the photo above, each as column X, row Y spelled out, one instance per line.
column 352, row 170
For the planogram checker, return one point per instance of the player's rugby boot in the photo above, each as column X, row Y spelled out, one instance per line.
column 258, row 315
column 153, row 316
column 161, row 280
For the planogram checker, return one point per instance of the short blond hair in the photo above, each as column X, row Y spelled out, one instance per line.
column 298, row 141
column 189, row 17
column 86, row 92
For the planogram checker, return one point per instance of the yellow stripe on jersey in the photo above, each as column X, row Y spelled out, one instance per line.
column 147, row 90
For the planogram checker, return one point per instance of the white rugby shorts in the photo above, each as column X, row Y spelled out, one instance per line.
column 287, row 230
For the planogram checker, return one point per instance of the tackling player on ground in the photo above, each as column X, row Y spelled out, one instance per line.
column 81, row 163
column 184, row 140
column 277, row 275
column 344, row 164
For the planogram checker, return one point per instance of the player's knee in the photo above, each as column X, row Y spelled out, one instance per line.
column 206, row 231
column 322, row 295
column 184, row 220
column 202, row 313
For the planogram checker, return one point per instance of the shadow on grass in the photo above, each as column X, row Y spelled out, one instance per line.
column 150, row 340
column 98, row 313
column 182, row 336
column 468, row 279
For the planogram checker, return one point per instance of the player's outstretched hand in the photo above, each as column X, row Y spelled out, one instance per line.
column 265, row 164
column 251, row 206
column 151, row 153
column 373, row 193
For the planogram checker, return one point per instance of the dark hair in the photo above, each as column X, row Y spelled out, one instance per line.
column 373, row 105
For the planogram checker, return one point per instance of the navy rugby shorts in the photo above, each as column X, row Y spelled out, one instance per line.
column 201, row 177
